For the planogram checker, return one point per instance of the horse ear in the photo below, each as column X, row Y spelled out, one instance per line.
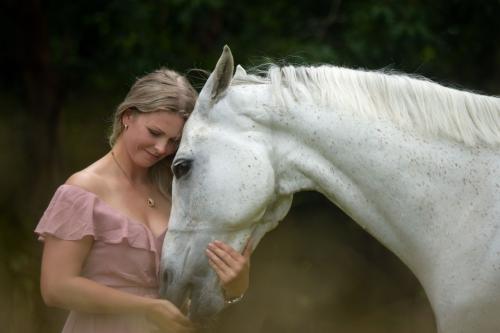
column 240, row 72
column 220, row 78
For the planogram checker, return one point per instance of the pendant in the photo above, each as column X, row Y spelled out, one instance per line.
column 151, row 203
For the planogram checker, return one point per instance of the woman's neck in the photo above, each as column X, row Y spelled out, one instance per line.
column 121, row 160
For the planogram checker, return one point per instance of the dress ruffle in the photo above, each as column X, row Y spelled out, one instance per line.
column 74, row 213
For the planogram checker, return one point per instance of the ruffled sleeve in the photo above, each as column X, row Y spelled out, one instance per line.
column 74, row 213
column 69, row 215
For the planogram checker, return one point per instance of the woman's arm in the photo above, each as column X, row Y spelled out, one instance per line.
column 62, row 286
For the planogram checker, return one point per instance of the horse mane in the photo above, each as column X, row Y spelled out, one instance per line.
column 418, row 103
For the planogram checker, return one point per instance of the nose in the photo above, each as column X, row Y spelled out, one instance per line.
column 161, row 148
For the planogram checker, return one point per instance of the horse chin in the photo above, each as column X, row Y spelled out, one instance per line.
column 204, row 308
column 203, row 293
column 203, row 303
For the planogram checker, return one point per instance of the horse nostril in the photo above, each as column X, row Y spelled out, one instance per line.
column 165, row 277
column 168, row 276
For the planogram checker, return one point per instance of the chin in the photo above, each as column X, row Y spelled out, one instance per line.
column 146, row 160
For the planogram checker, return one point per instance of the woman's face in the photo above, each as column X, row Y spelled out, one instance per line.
column 152, row 136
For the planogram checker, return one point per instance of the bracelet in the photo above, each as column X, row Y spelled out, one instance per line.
column 233, row 300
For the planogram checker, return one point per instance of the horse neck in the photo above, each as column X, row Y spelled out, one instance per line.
column 360, row 165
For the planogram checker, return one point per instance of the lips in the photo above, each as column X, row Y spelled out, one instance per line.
column 153, row 155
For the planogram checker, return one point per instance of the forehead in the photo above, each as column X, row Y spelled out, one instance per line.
column 163, row 120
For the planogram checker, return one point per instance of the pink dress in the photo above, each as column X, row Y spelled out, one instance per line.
column 125, row 254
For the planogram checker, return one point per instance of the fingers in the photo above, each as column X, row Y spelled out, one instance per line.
column 235, row 255
column 227, row 249
column 231, row 267
column 169, row 318
column 183, row 320
column 182, row 324
column 227, row 254
column 247, row 252
column 225, row 258
column 220, row 267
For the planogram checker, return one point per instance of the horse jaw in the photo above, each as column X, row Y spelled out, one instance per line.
column 186, row 273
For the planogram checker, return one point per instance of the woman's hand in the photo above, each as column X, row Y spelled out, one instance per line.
column 168, row 318
column 232, row 267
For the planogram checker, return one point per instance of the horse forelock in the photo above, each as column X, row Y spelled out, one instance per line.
column 409, row 101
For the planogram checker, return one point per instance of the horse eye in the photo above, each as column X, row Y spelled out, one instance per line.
column 181, row 167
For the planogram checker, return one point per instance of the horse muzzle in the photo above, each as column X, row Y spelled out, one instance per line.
column 186, row 275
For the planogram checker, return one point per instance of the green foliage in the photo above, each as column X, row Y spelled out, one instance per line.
column 104, row 44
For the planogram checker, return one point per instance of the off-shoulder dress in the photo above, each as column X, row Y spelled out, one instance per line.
column 125, row 254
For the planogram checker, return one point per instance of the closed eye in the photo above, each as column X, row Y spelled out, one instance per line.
column 153, row 132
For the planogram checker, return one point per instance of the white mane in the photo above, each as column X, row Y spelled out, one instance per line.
column 426, row 106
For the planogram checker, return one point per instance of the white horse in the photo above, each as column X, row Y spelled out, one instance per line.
column 414, row 163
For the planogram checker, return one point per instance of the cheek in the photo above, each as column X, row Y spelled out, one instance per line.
column 136, row 144
column 170, row 150
column 142, row 140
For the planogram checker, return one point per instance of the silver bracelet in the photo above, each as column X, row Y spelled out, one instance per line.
column 233, row 300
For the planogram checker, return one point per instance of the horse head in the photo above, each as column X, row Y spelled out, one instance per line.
column 224, row 188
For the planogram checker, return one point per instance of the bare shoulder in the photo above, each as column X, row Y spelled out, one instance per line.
column 82, row 179
column 92, row 179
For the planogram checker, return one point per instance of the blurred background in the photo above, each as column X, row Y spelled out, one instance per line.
column 65, row 66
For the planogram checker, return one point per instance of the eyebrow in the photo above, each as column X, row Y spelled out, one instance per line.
column 176, row 138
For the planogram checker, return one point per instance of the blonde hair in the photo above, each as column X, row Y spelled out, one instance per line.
column 161, row 90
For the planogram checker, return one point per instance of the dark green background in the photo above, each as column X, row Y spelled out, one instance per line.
column 65, row 65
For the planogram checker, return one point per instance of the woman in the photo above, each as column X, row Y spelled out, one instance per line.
column 104, row 228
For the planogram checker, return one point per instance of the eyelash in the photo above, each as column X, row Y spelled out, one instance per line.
column 153, row 133
column 156, row 134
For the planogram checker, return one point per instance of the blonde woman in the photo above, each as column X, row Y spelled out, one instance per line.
column 103, row 229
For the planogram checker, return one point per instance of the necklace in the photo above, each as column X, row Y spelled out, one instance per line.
column 150, row 202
